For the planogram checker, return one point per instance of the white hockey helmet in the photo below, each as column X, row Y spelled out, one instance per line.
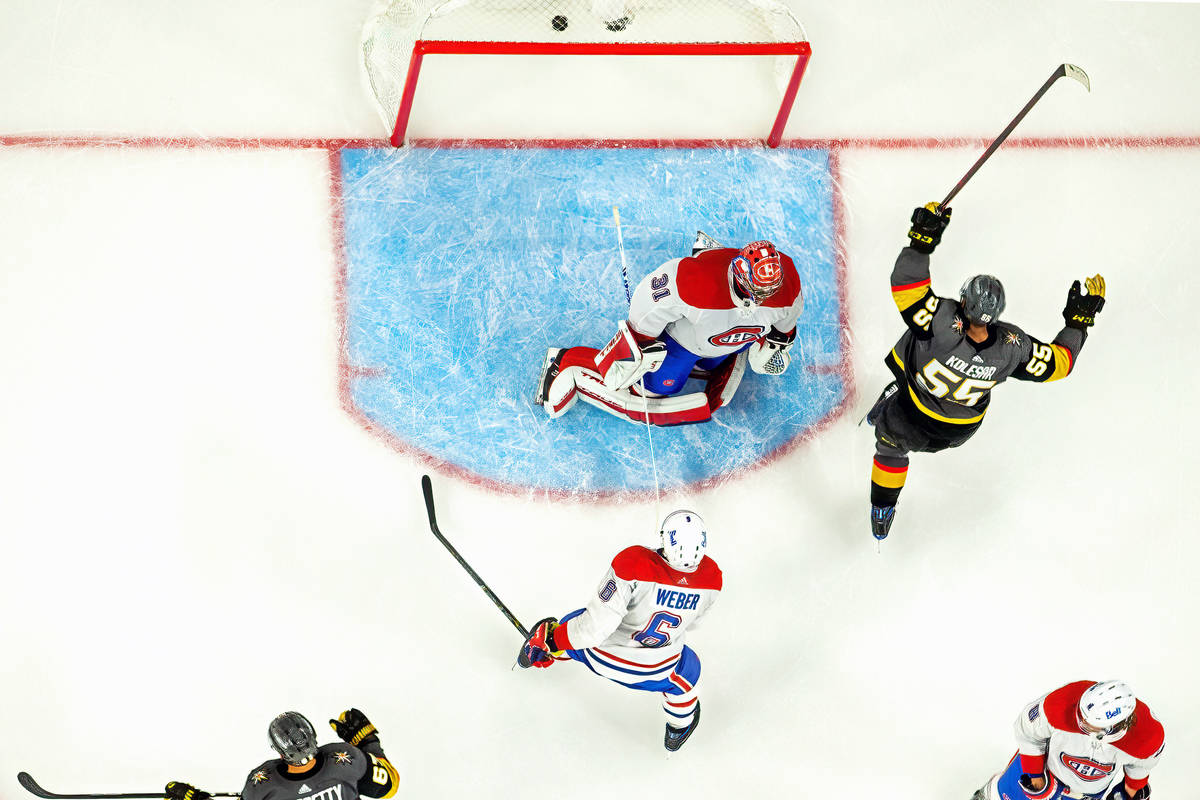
column 683, row 539
column 1106, row 707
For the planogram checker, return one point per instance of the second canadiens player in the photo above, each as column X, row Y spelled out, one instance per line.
column 633, row 628
column 1086, row 739
column 716, row 312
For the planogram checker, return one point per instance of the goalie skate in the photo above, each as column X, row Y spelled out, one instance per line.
column 550, row 367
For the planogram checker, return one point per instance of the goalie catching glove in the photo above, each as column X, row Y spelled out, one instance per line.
column 624, row 360
column 769, row 355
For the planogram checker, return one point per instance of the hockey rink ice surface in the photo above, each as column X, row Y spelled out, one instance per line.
column 204, row 523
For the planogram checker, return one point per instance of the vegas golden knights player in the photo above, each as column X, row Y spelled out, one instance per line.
column 951, row 356
column 353, row 768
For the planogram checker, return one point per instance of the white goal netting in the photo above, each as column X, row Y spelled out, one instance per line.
column 394, row 26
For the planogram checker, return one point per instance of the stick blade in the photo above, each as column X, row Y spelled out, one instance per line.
column 1077, row 74
column 427, row 490
column 30, row 785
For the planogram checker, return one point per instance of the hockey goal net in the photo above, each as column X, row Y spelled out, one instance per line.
column 400, row 34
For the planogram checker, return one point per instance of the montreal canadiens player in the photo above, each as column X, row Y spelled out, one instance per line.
column 354, row 768
column 1087, row 740
column 633, row 628
column 951, row 356
column 709, row 315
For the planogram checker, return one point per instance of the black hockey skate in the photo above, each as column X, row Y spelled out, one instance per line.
column 677, row 736
column 549, row 372
column 876, row 409
column 881, row 521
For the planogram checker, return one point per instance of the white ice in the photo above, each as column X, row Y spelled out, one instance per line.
column 196, row 536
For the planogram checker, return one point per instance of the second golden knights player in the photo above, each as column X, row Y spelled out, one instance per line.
column 951, row 356
column 355, row 767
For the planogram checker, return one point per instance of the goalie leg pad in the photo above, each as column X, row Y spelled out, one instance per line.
column 680, row 409
column 556, row 388
column 623, row 361
column 723, row 382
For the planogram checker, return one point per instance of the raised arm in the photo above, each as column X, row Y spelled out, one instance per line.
column 1049, row 362
column 911, row 290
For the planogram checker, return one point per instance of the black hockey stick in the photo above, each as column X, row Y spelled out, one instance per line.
column 1064, row 70
column 427, row 490
column 30, row 785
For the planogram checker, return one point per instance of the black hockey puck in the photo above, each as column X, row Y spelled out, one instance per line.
column 559, row 23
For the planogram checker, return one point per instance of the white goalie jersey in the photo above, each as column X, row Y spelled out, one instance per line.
column 643, row 609
column 692, row 300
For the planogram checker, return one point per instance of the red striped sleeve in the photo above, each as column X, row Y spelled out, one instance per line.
column 1033, row 765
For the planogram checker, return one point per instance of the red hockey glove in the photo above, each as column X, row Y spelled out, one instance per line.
column 1051, row 788
column 538, row 650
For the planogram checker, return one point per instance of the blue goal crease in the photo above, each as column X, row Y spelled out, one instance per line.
column 464, row 265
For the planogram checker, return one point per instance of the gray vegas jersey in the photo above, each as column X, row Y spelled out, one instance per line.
column 944, row 375
column 342, row 772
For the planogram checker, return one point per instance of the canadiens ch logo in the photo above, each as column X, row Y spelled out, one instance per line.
column 766, row 271
column 1086, row 768
column 737, row 336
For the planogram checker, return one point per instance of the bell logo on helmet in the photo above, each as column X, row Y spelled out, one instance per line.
column 1086, row 768
column 737, row 336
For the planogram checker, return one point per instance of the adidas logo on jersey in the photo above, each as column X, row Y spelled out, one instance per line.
column 303, row 788
column 683, row 582
column 978, row 359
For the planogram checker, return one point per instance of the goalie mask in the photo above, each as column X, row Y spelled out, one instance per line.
column 293, row 737
column 683, row 540
column 757, row 272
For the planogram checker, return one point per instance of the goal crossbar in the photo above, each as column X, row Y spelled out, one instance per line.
column 423, row 47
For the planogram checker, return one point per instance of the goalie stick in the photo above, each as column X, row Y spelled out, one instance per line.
column 30, row 785
column 1064, row 71
column 641, row 380
column 427, row 490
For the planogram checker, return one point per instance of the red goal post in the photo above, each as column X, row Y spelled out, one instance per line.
column 399, row 34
